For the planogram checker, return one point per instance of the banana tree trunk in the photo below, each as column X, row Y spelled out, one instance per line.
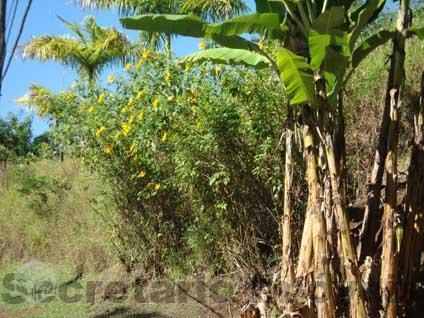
column 356, row 295
column 333, row 242
column 368, row 240
column 327, row 124
column 304, row 263
column 389, row 250
column 413, row 234
column 372, row 217
column 324, row 296
column 391, row 218
column 287, row 270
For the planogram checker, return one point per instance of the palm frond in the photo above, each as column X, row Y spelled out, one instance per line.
column 53, row 48
column 94, row 48
column 214, row 10
column 126, row 7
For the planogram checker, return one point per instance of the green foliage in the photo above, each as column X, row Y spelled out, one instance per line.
column 49, row 212
column 15, row 137
column 370, row 45
column 37, row 190
column 324, row 33
column 93, row 48
column 188, row 25
column 229, row 56
column 208, row 9
column 254, row 23
column 364, row 16
column 191, row 141
column 297, row 77
column 330, row 36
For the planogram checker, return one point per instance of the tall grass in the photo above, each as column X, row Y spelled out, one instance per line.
column 55, row 212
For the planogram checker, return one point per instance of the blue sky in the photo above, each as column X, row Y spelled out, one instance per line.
column 43, row 19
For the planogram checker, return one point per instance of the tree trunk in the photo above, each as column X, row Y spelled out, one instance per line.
column 391, row 219
column 349, row 258
column 372, row 217
column 413, row 234
column 389, row 251
column 304, row 263
column 356, row 295
column 287, row 270
column 324, row 297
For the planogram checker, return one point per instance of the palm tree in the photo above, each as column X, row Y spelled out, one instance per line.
column 91, row 50
column 211, row 10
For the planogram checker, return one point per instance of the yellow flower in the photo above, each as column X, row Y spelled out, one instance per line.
column 132, row 147
column 140, row 95
column 91, row 109
column 130, row 101
column 131, row 119
column 164, row 136
column 216, row 70
column 128, row 66
column 261, row 44
column 192, row 100
column 142, row 174
column 156, row 102
column 126, row 129
column 140, row 116
column 157, row 187
column 100, row 131
column 145, row 53
column 101, row 99
column 74, row 85
column 138, row 64
column 202, row 45
column 108, row 149
column 187, row 68
column 111, row 79
column 124, row 110
column 167, row 78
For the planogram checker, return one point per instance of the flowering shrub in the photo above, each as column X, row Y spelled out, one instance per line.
column 192, row 155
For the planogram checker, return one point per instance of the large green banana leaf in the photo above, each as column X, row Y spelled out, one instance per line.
column 187, row 25
column 324, row 32
column 229, row 56
column 297, row 77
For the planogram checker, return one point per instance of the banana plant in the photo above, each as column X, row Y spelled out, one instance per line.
column 316, row 40
column 330, row 30
column 319, row 46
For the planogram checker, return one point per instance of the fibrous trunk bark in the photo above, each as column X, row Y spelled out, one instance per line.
column 389, row 250
column 327, row 123
column 391, row 218
column 413, row 233
column 324, row 296
column 287, row 270
column 372, row 217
